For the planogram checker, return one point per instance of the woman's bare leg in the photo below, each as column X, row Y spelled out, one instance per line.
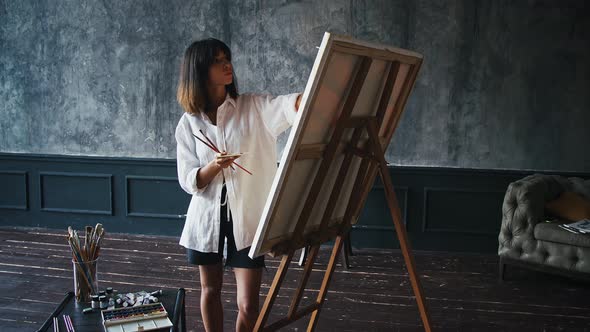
column 248, row 284
column 211, row 308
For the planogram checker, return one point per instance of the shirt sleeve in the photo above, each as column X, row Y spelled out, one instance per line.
column 187, row 161
column 278, row 113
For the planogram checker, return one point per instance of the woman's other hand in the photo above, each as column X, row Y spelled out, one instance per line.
column 297, row 102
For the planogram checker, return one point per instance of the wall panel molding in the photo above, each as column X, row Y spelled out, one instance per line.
column 70, row 192
column 467, row 209
column 16, row 193
column 139, row 203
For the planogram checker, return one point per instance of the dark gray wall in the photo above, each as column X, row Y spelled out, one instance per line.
column 505, row 84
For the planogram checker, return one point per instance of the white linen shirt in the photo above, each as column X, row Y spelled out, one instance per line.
column 250, row 124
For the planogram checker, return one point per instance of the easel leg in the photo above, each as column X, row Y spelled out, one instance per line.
column 325, row 283
column 399, row 227
column 273, row 292
column 303, row 282
column 406, row 252
column 349, row 243
column 345, row 250
column 303, row 257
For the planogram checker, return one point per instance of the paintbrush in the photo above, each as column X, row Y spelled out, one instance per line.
column 87, row 242
column 100, row 237
column 212, row 146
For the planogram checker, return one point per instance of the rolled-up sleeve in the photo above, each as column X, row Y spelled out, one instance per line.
column 278, row 113
column 187, row 161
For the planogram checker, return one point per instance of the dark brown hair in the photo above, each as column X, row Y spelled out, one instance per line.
column 194, row 75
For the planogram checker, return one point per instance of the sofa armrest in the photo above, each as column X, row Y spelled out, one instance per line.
column 523, row 208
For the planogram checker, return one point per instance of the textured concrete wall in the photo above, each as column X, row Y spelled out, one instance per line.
column 504, row 84
column 96, row 77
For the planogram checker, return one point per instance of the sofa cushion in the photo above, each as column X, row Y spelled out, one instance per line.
column 580, row 186
column 550, row 231
column 569, row 205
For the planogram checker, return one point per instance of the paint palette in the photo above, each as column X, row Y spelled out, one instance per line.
column 145, row 317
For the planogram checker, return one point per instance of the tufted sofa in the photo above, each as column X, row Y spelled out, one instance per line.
column 526, row 239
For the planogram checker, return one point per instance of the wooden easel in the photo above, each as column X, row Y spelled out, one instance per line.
column 373, row 161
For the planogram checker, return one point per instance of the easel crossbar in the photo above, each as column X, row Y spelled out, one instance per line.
column 290, row 319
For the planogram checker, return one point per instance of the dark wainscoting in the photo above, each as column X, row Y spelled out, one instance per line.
column 445, row 209
column 127, row 195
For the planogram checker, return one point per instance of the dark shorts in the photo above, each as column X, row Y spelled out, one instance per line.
column 234, row 258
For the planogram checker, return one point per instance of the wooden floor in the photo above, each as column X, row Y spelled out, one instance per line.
column 374, row 295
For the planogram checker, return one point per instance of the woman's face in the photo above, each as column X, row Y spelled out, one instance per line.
column 220, row 72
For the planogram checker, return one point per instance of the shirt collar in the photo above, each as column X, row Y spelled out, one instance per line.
column 228, row 98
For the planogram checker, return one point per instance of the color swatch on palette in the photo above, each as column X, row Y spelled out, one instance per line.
column 138, row 318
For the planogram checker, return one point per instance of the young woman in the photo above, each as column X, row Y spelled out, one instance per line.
column 227, row 202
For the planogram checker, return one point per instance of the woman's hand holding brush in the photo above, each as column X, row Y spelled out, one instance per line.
column 207, row 173
column 224, row 160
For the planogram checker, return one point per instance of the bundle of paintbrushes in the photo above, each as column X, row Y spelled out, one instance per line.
column 84, row 258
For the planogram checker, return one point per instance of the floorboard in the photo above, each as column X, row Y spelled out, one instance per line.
column 462, row 289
